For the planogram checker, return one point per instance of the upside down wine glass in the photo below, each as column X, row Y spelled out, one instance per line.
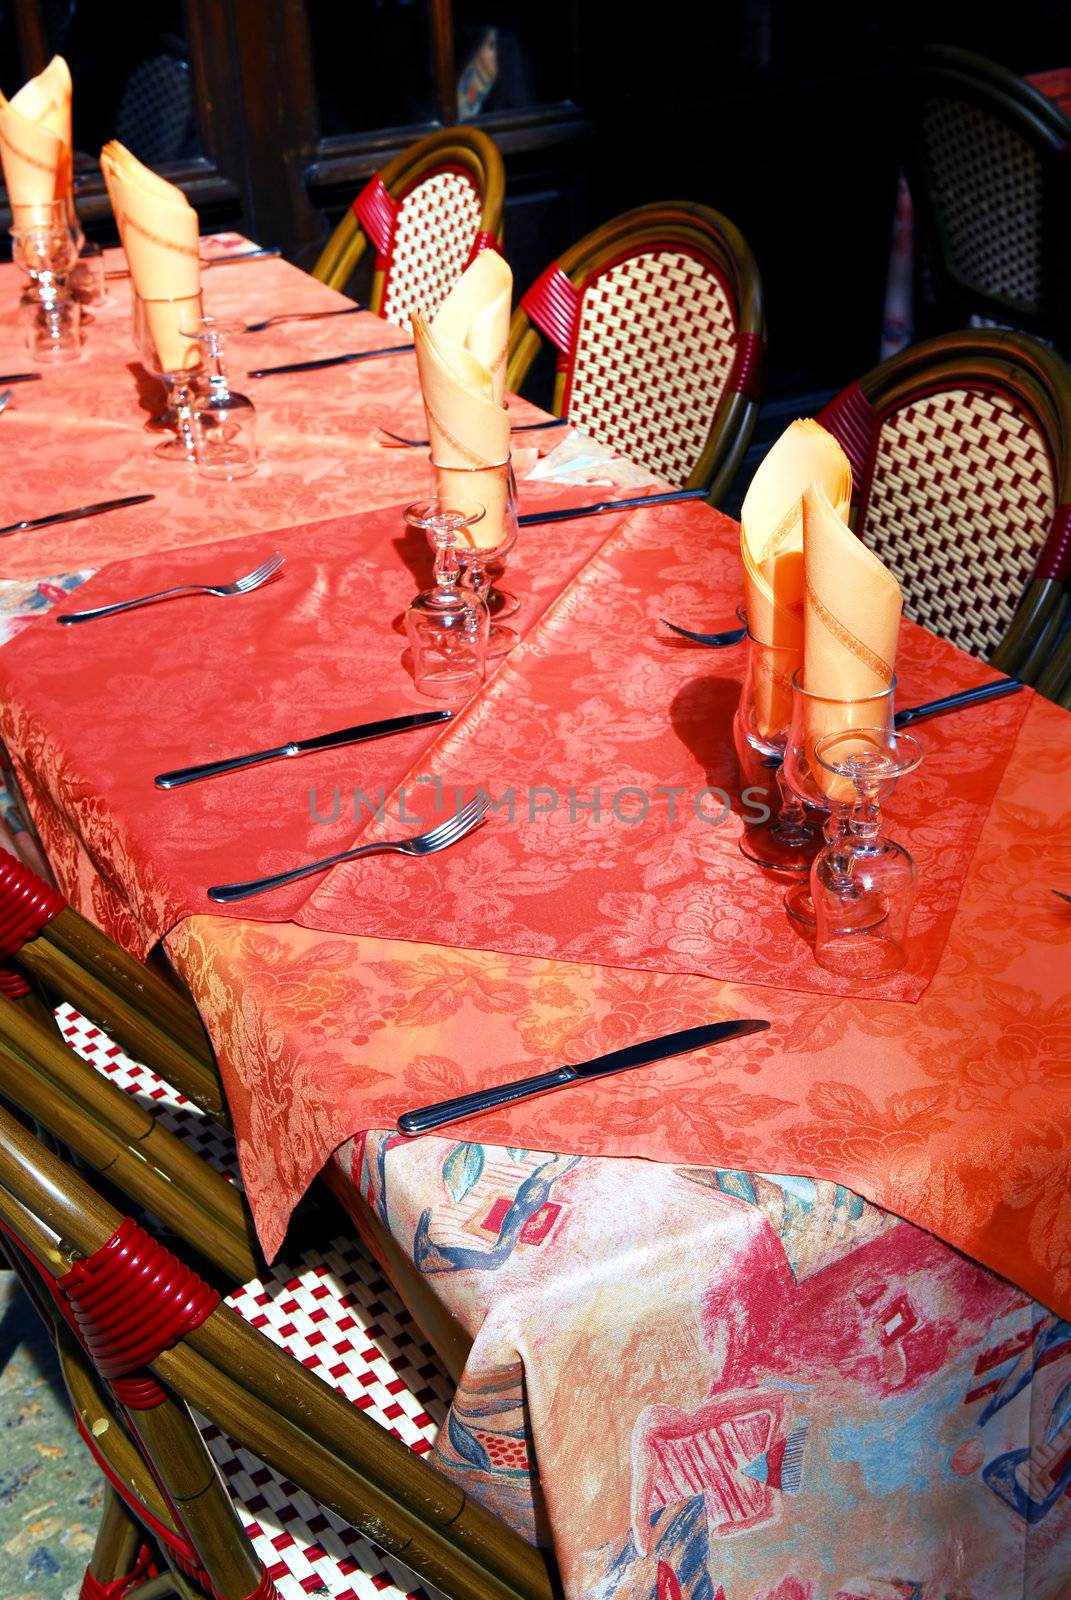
column 173, row 357
column 49, row 315
column 863, row 883
column 224, row 422
column 487, row 543
column 447, row 626
column 819, row 791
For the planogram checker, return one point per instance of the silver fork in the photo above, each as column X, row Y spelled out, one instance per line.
column 252, row 580
column 421, row 844
column 5, row 398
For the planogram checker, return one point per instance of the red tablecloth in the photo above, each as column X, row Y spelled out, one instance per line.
column 737, row 1385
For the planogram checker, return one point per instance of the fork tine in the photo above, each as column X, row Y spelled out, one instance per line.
column 259, row 574
column 457, row 825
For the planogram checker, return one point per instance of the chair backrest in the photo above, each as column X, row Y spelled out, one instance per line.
column 991, row 180
column 961, row 459
column 162, row 1340
column 657, row 318
column 427, row 215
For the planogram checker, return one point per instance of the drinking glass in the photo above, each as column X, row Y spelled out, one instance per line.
column 815, row 787
column 48, row 315
column 225, row 422
column 862, row 883
column 447, row 625
column 155, row 320
column 784, row 842
column 51, row 323
column 491, row 540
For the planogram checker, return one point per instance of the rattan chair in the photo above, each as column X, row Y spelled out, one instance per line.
column 961, row 459
column 164, row 1151
column 427, row 215
column 142, row 1338
column 658, row 323
column 990, row 177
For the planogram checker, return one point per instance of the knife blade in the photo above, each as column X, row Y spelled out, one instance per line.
column 332, row 361
column 954, row 702
column 425, row 1118
column 531, row 518
column 80, row 511
column 20, row 377
column 300, row 747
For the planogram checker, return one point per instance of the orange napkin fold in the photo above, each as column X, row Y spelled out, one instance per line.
column 771, row 548
column 159, row 230
column 35, row 143
column 461, row 359
column 852, row 606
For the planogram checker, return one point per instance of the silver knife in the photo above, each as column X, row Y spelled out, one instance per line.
column 300, row 747
column 332, row 361
column 633, row 1055
column 80, row 511
column 955, row 702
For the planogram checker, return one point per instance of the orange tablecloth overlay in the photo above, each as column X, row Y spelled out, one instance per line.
column 952, row 1112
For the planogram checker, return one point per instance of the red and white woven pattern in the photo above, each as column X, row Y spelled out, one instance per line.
column 434, row 231
column 336, row 1314
column 987, row 190
column 654, row 348
column 960, row 504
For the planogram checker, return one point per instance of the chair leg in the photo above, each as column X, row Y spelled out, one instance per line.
column 119, row 1564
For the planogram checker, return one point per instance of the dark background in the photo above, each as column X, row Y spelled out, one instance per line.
column 787, row 118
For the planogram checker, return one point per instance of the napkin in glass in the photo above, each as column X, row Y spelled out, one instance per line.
column 159, row 231
column 851, row 623
column 771, row 548
column 461, row 359
column 35, row 143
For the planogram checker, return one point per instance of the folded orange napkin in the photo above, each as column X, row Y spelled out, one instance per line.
column 159, row 230
column 35, row 143
column 852, row 606
column 461, row 358
column 771, row 547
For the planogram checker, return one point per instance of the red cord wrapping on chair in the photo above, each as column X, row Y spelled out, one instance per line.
column 27, row 904
column 132, row 1300
column 745, row 376
column 13, row 983
column 482, row 241
column 377, row 213
column 1055, row 559
column 853, row 422
column 553, row 304
column 144, row 1568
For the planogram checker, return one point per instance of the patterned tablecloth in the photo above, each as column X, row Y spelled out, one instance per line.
column 735, row 1383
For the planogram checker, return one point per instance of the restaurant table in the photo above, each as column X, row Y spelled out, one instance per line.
column 783, row 1319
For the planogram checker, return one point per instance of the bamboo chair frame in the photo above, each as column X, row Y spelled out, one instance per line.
column 984, row 360
column 692, row 228
column 74, row 961
column 267, row 1400
column 466, row 148
column 1034, row 122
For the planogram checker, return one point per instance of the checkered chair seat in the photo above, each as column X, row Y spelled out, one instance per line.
column 960, row 503
column 434, row 234
column 337, row 1314
column 654, row 348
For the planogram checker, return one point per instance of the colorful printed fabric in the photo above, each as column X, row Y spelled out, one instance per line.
column 737, row 1386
